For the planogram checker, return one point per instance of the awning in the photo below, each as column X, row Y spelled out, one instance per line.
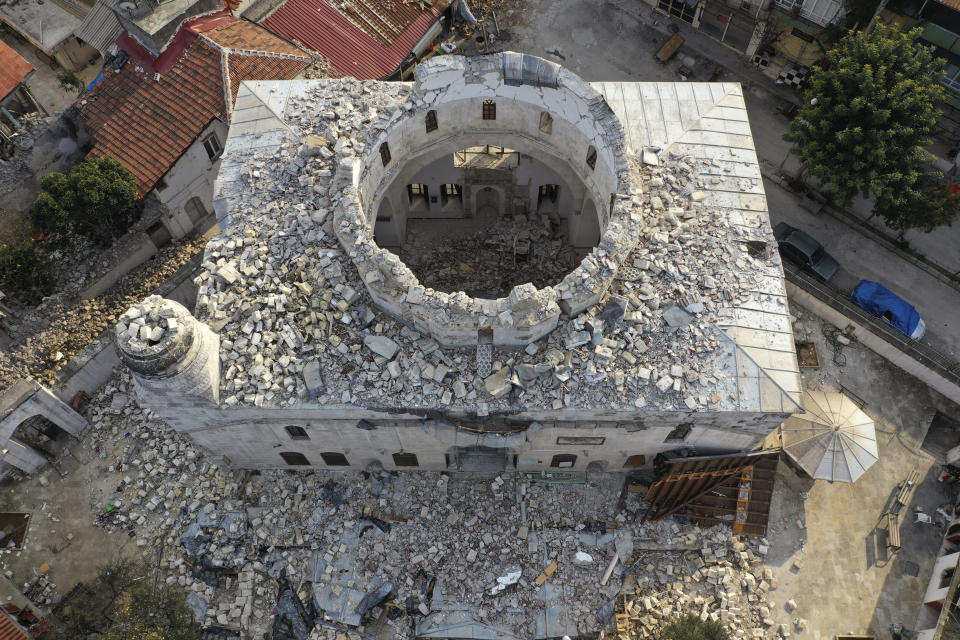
column 832, row 440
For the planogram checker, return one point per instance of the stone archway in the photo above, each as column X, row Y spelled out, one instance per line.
column 27, row 408
column 488, row 204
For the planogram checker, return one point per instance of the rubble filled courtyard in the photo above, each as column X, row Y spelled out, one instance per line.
column 467, row 545
column 497, row 384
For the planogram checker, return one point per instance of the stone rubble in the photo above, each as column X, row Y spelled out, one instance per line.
column 47, row 337
column 506, row 546
column 284, row 296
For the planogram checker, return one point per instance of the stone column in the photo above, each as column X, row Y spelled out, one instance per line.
column 175, row 359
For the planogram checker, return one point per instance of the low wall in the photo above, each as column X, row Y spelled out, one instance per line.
column 137, row 250
column 875, row 343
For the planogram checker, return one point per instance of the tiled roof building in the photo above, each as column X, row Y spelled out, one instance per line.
column 147, row 120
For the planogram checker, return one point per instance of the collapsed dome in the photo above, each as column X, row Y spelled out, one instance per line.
column 498, row 197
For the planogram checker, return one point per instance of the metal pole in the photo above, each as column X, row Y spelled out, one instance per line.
column 726, row 26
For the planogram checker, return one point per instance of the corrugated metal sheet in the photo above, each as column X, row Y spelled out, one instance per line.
column 366, row 40
column 100, row 28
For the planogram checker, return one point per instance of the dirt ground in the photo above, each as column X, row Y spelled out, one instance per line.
column 848, row 583
column 76, row 486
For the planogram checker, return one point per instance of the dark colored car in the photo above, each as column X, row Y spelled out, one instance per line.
column 804, row 251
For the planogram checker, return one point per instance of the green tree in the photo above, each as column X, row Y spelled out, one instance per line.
column 868, row 111
column 26, row 270
column 97, row 200
column 691, row 627
column 122, row 603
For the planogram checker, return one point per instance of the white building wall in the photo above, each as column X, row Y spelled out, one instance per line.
column 191, row 176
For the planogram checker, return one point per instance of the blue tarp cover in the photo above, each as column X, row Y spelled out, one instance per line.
column 878, row 300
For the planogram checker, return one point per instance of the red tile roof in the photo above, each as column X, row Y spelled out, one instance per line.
column 147, row 123
column 13, row 69
column 9, row 630
column 391, row 28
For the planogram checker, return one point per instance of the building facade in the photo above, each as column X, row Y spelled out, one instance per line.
column 313, row 345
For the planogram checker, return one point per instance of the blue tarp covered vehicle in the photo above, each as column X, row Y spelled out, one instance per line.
column 880, row 301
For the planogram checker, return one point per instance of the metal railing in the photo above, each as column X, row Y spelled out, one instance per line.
column 945, row 367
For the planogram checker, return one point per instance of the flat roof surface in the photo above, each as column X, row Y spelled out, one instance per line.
column 736, row 355
column 44, row 25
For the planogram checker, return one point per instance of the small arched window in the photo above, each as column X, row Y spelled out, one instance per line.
column 334, row 459
column 591, row 157
column 294, row 458
column 431, row 121
column 546, row 123
column 297, row 433
column 385, row 154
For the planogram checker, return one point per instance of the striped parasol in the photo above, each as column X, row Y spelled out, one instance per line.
column 832, row 440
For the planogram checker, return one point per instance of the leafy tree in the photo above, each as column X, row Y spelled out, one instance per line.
column 121, row 603
column 691, row 627
column 26, row 270
column 97, row 200
column 868, row 111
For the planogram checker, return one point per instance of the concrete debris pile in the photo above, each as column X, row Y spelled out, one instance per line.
column 286, row 299
column 60, row 328
column 393, row 552
column 16, row 168
column 491, row 261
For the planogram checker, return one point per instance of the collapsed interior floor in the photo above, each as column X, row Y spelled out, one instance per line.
column 487, row 257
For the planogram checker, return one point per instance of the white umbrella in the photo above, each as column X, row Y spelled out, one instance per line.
column 833, row 439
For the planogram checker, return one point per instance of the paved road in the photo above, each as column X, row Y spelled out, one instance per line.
column 609, row 40
column 861, row 259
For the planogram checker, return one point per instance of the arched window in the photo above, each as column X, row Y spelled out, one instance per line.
column 334, row 459
column 546, row 123
column 297, row 433
column 385, row 154
column 431, row 121
column 591, row 157
column 294, row 458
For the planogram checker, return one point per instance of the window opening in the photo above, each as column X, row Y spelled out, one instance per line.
column 563, row 460
column 431, row 121
column 451, row 192
column 294, row 458
column 548, row 192
column 212, row 146
column 546, row 123
column 297, row 433
column 406, row 460
column 591, row 157
column 489, row 110
column 680, row 433
column 334, row 459
column 385, row 154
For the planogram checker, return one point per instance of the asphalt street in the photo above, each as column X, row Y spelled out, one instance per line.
column 616, row 41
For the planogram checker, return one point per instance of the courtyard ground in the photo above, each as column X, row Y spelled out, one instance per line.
column 847, row 582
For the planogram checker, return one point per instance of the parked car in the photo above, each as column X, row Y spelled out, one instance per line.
column 882, row 302
column 804, row 251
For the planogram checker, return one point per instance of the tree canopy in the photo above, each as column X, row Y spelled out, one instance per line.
column 868, row 111
column 98, row 200
column 123, row 603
